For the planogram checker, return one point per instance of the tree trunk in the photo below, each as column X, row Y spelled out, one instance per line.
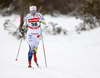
column 21, row 13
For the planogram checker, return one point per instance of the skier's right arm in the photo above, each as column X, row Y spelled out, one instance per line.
column 24, row 25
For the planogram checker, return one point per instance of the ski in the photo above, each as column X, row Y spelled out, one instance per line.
column 37, row 64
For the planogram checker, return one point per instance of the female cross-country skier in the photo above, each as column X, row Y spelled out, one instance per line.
column 32, row 20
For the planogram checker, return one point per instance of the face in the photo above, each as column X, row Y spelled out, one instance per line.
column 33, row 12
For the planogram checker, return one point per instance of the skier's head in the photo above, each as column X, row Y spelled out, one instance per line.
column 33, row 10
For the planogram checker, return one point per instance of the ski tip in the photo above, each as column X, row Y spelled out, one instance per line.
column 15, row 59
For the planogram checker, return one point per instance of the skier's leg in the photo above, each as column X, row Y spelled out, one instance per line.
column 35, row 58
column 30, row 53
column 29, row 56
column 34, row 54
column 35, row 48
column 31, row 47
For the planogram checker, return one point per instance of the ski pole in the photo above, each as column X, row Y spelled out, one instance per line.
column 19, row 49
column 43, row 45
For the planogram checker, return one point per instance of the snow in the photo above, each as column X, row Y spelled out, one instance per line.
column 66, row 22
column 68, row 56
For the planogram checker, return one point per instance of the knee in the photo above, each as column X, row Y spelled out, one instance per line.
column 35, row 50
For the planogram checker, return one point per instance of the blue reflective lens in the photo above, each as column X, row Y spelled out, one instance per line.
column 33, row 12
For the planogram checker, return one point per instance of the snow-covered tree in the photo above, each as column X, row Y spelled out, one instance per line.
column 91, row 13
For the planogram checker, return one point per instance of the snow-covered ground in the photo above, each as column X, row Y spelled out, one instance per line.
column 68, row 56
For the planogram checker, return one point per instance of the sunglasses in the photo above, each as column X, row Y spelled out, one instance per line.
column 33, row 12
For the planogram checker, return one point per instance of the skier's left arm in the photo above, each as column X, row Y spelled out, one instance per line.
column 42, row 19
